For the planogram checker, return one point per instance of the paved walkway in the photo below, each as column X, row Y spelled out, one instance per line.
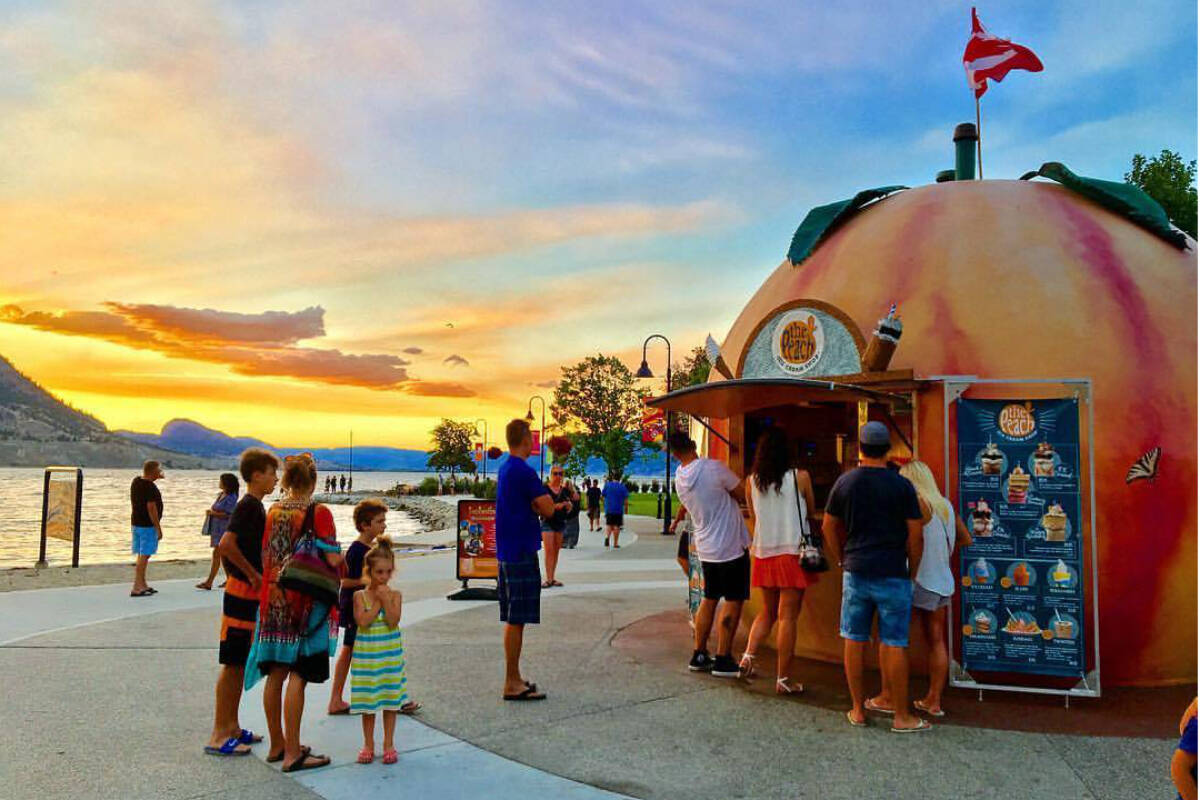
column 114, row 700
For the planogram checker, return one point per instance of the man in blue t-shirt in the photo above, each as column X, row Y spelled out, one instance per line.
column 1183, row 763
column 521, row 498
column 616, row 503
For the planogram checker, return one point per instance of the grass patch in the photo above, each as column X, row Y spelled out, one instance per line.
column 646, row 504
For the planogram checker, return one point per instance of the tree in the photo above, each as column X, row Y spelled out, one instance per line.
column 598, row 398
column 452, row 448
column 1172, row 184
column 693, row 371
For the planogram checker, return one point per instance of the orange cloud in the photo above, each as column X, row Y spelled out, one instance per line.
column 207, row 325
column 438, row 389
column 249, row 344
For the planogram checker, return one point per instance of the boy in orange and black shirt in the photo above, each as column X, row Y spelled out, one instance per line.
column 241, row 552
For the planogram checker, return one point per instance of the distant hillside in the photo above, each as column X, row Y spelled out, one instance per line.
column 37, row 429
column 186, row 436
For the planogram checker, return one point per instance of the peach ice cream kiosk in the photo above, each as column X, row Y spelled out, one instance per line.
column 1042, row 361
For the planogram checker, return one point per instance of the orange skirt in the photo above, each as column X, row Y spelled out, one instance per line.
column 779, row 572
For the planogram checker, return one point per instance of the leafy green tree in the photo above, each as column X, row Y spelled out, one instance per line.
column 692, row 371
column 452, row 448
column 1171, row 182
column 597, row 400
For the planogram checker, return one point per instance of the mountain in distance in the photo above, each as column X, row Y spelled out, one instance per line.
column 187, row 436
column 37, row 430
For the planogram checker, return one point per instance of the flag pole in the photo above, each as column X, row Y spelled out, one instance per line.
column 979, row 134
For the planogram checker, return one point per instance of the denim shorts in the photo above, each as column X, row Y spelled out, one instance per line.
column 145, row 540
column 862, row 596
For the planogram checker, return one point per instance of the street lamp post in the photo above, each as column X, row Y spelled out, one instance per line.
column 485, row 445
column 542, row 444
column 644, row 372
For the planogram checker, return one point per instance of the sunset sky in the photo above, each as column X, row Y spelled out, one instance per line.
column 290, row 220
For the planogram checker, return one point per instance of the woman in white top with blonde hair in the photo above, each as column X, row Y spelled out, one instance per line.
column 934, row 584
column 781, row 499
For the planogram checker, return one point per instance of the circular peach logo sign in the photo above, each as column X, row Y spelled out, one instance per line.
column 1017, row 421
column 799, row 341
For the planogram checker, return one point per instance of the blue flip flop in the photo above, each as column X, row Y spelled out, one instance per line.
column 248, row 737
column 229, row 748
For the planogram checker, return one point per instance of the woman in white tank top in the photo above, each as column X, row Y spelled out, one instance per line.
column 934, row 584
column 780, row 500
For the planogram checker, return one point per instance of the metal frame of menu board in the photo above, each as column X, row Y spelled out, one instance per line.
column 50, row 471
column 1081, row 389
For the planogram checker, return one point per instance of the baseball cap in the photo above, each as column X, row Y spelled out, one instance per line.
column 874, row 433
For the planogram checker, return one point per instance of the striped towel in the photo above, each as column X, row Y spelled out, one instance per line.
column 377, row 680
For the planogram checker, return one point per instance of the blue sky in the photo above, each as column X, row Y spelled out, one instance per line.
column 538, row 174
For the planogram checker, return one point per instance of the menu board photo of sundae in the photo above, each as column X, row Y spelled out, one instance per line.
column 1019, row 496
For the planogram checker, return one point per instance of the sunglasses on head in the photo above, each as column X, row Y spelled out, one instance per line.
column 299, row 457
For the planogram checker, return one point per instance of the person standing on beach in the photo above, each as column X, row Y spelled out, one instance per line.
column 520, row 499
column 216, row 520
column 710, row 491
column 873, row 524
column 146, row 521
column 343, row 484
column 241, row 550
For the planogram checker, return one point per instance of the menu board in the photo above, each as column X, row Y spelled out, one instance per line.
column 476, row 556
column 1022, row 578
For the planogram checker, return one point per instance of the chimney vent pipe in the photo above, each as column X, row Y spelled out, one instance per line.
column 965, row 137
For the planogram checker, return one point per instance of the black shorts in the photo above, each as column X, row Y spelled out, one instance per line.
column 727, row 579
column 684, row 541
column 519, row 588
column 349, row 634
column 310, row 669
column 614, row 520
column 234, row 649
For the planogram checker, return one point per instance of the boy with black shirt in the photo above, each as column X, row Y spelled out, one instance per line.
column 241, row 553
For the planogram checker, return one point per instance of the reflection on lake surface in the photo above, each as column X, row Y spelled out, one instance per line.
column 186, row 494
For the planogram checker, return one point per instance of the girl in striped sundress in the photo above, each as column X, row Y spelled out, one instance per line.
column 377, row 681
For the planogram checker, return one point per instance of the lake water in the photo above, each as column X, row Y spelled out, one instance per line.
column 104, row 533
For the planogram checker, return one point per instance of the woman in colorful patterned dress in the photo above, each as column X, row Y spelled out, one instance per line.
column 295, row 635
column 377, row 680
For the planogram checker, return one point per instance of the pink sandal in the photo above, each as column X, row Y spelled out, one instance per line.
column 366, row 755
column 390, row 756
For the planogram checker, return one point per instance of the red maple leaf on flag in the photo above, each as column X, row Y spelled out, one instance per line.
column 989, row 57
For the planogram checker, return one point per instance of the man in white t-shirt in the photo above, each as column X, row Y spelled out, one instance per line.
column 710, row 492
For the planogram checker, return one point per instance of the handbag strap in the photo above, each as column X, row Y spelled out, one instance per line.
column 805, row 536
column 308, row 528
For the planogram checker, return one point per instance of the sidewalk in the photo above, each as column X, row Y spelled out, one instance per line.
column 120, row 708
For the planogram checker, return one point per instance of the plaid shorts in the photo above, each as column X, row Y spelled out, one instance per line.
column 520, row 590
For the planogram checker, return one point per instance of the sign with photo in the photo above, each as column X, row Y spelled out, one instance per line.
column 476, row 541
column 1019, row 496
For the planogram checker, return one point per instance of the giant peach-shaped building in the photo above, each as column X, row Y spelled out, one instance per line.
column 1022, row 280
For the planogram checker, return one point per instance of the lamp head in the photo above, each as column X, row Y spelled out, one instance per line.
column 529, row 415
column 644, row 370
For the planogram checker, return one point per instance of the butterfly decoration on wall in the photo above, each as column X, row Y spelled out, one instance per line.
column 1145, row 468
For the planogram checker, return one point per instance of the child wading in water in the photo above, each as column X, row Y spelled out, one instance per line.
column 377, row 680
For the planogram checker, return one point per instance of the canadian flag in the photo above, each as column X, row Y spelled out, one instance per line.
column 990, row 57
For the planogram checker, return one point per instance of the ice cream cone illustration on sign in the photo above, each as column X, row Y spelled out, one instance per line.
column 1060, row 574
column 1043, row 461
column 992, row 460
